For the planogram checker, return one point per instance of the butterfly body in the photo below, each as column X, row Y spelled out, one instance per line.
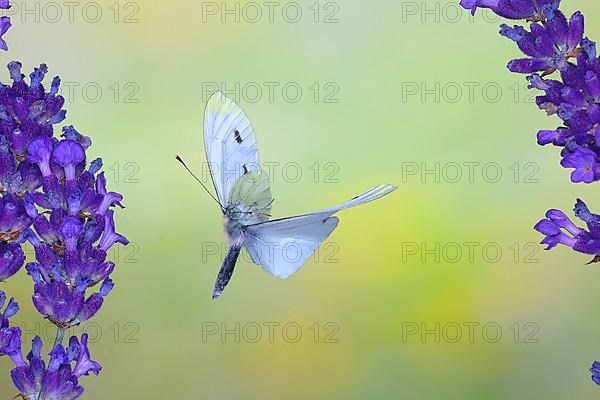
column 233, row 229
column 280, row 246
column 248, row 203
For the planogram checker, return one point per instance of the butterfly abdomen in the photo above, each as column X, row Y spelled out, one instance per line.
column 226, row 271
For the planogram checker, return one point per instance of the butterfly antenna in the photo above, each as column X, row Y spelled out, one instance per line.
column 199, row 181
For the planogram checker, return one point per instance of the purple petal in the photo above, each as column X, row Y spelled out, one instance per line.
column 85, row 364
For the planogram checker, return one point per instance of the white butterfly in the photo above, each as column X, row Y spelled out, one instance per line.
column 280, row 246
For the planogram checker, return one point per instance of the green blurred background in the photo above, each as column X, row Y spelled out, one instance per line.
column 386, row 311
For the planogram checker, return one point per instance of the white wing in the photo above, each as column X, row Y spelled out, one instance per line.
column 229, row 143
column 282, row 246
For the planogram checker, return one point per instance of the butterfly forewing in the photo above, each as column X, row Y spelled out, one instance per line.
column 229, row 142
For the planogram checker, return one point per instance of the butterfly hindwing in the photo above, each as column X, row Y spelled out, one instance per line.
column 250, row 198
column 282, row 246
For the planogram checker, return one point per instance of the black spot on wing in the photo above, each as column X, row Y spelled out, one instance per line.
column 245, row 169
column 238, row 137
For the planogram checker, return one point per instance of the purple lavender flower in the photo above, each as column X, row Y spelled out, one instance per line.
column 595, row 370
column 10, row 338
column 59, row 379
column 5, row 24
column 11, row 260
column 13, row 218
column 11, row 309
column 559, row 229
column 54, row 198
column 71, row 244
column 65, row 307
column 549, row 46
column 553, row 43
column 512, row 9
column 585, row 163
column 27, row 113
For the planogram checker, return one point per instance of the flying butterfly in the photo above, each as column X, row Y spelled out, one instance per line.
column 244, row 195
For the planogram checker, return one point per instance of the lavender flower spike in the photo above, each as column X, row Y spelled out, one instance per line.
column 552, row 45
column 51, row 197
column 59, row 379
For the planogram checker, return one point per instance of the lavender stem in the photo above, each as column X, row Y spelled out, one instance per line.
column 60, row 335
